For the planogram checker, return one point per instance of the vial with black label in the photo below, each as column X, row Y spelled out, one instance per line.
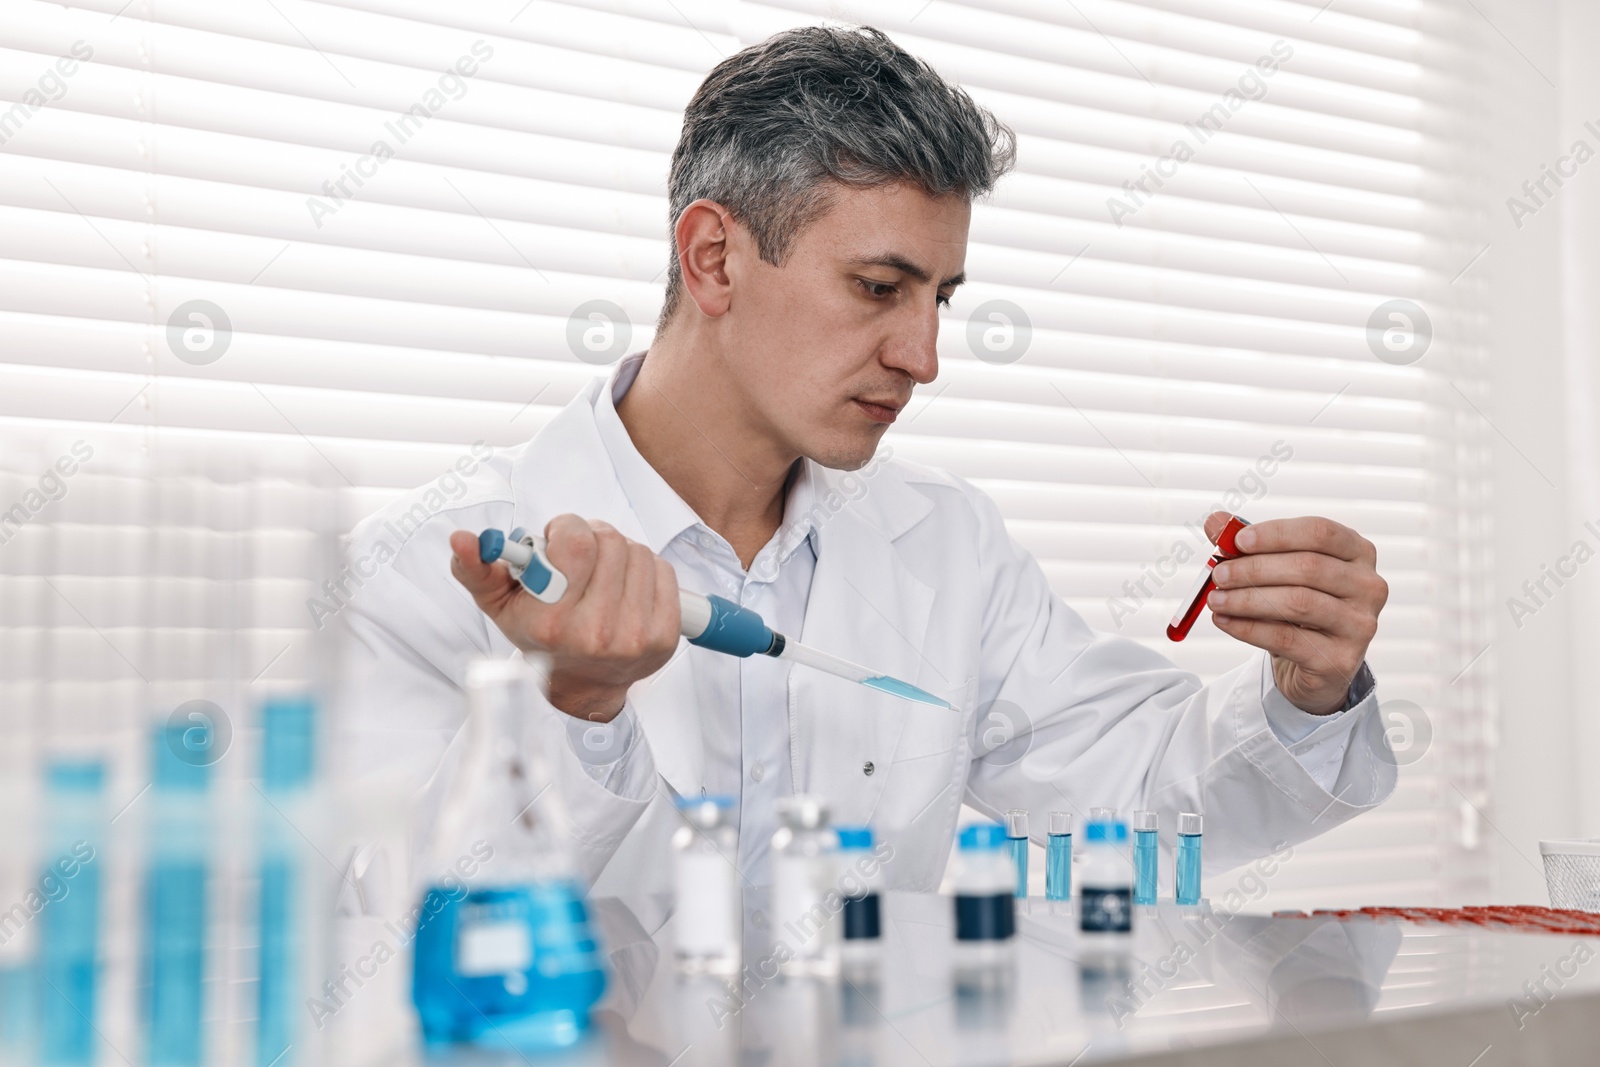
column 986, row 918
column 1105, row 908
column 860, row 878
column 1146, row 856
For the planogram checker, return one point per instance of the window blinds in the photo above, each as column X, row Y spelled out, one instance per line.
column 358, row 230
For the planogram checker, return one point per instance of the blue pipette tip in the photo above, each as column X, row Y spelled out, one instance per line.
column 895, row 687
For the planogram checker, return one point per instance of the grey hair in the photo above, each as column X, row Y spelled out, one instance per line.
column 774, row 122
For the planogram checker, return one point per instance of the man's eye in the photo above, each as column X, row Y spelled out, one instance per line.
column 944, row 301
column 878, row 290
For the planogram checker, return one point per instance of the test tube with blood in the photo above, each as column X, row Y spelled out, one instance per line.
column 1184, row 620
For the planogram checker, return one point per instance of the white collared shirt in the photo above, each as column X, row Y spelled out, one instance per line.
column 743, row 702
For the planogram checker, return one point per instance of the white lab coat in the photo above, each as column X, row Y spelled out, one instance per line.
column 916, row 577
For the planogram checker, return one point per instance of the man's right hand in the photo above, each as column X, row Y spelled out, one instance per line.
column 618, row 621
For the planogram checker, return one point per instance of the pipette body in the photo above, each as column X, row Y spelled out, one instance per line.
column 710, row 622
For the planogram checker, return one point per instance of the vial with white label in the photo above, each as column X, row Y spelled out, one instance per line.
column 1189, row 827
column 705, row 854
column 1146, row 856
column 804, row 861
column 1017, row 838
column 984, row 878
column 1105, row 906
column 1058, row 857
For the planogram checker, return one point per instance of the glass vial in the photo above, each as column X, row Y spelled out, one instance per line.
column 705, row 855
column 804, row 857
column 860, row 878
column 986, row 907
column 1146, row 856
column 1058, row 857
column 1106, row 900
column 1017, row 837
column 1189, row 827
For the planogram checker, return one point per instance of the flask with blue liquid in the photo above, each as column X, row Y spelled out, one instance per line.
column 505, row 956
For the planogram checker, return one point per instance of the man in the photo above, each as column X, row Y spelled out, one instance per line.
column 820, row 200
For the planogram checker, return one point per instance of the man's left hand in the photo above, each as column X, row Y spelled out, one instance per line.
column 1307, row 590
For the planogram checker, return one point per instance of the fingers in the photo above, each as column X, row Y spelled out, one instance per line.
column 669, row 615
column 487, row 583
column 1308, row 534
column 1214, row 524
column 1300, row 605
column 573, row 548
column 1315, row 652
column 1335, row 577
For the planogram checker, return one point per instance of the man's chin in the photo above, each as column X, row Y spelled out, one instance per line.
column 847, row 455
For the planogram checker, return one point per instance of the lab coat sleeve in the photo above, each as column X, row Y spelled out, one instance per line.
column 1096, row 719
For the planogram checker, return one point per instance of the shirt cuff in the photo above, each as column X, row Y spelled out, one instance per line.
column 1314, row 740
column 602, row 746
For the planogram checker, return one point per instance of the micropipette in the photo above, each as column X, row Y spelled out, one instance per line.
column 708, row 621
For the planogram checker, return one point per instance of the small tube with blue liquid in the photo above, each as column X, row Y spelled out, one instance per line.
column 175, row 891
column 1146, row 856
column 1058, row 857
column 288, row 728
column 69, row 929
column 1017, row 836
column 1189, row 828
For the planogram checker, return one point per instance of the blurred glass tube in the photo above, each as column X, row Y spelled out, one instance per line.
column 69, row 926
column 175, row 894
column 288, row 735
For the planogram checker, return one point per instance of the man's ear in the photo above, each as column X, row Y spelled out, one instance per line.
column 703, row 232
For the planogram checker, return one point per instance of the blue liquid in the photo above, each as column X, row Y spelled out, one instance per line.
column 1058, row 867
column 275, row 1000
column 69, row 927
column 1019, row 856
column 16, row 1011
column 1188, row 868
column 542, row 1001
column 1146, row 861
column 895, row 687
column 176, row 914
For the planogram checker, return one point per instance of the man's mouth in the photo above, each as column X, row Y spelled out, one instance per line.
column 881, row 411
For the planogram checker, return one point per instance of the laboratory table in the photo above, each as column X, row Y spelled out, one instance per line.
column 1196, row 986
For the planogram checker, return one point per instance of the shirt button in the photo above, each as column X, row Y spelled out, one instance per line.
column 757, row 772
column 867, row 768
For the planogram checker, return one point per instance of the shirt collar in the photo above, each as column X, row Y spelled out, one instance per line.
column 663, row 514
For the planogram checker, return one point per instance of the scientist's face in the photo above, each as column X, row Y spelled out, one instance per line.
column 831, row 344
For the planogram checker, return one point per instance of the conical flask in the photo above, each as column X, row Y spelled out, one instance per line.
column 504, row 951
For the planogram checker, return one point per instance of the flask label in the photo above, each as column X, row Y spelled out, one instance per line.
column 1106, row 911
column 493, row 948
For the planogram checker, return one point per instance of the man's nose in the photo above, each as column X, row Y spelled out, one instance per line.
column 916, row 350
